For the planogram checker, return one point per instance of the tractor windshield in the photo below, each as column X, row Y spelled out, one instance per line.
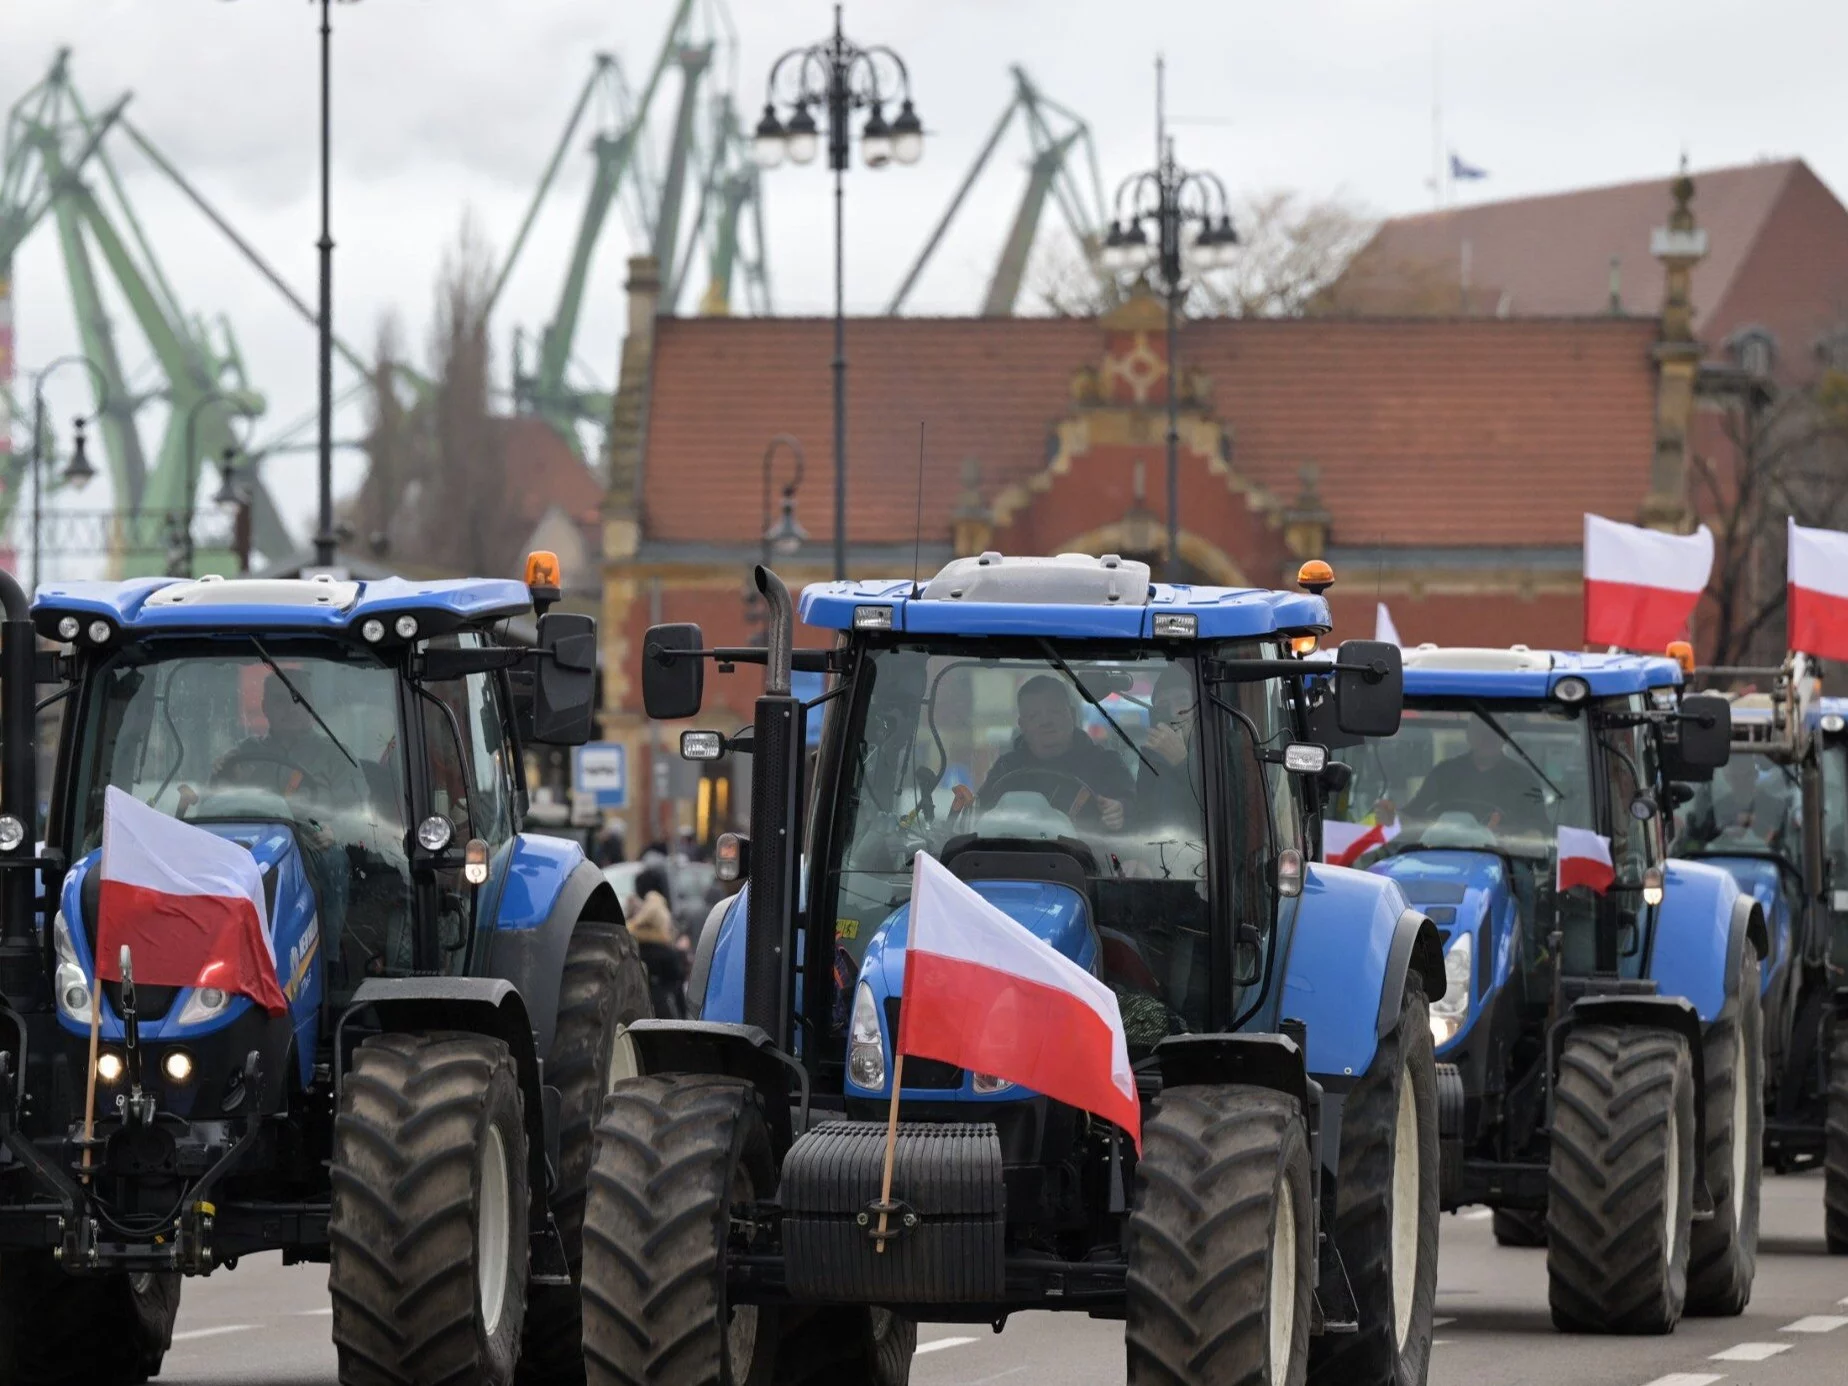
column 1468, row 775
column 1093, row 760
column 298, row 732
column 1752, row 806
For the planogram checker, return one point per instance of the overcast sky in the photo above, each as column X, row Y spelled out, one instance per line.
column 447, row 106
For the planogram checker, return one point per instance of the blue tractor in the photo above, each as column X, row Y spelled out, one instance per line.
column 419, row 1114
column 1131, row 771
column 1776, row 819
column 1600, row 1037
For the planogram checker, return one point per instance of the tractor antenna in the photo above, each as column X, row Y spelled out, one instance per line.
column 917, row 541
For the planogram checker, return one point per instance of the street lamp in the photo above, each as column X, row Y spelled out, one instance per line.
column 839, row 77
column 180, row 560
column 784, row 537
column 234, row 494
column 1168, row 200
column 79, row 472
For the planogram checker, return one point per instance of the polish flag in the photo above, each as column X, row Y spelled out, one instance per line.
column 1585, row 860
column 1383, row 628
column 1641, row 586
column 983, row 993
column 1818, row 591
column 1343, row 844
column 187, row 904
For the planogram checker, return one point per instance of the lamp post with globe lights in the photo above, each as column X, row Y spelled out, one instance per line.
column 838, row 77
column 78, row 473
column 1154, row 212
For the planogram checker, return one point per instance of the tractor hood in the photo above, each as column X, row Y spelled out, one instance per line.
column 1452, row 888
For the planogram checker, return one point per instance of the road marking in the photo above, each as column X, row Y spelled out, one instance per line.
column 935, row 1343
column 1440, row 1342
column 1439, row 1323
column 1816, row 1323
column 222, row 1329
column 1477, row 1214
column 1687, row 1379
column 314, row 1313
column 1750, row 1352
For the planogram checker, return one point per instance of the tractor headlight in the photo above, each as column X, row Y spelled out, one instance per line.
column 206, row 1003
column 986, row 1084
column 68, row 627
column 69, row 983
column 12, row 833
column 1449, row 1013
column 865, row 1044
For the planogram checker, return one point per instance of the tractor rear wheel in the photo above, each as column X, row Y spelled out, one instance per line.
column 1835, row 1152
column 1519, row 1227
column 851, row 1346
column 605, row 990
column 1723, row 1250
column 1386, row 1211
column 1620, row 1181
column 428, row 1224
column 1220, row 1242
column 676, row 1172
column 92, row 1330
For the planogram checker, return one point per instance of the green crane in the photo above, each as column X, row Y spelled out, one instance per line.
column 1049, row 178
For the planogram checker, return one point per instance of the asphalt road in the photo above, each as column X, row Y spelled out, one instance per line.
column 264, row 1323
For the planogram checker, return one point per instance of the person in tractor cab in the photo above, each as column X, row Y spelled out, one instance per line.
column 1485, row 781
column 1049, row 739
column 1168, row 792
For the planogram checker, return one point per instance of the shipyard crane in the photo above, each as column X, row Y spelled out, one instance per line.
column 1055, row 134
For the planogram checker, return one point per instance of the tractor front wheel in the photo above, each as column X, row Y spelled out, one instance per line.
column 1220, row 1243
column 1620, row 1181
column 93, row 1330
column 676, row 1173
column 428, row 1228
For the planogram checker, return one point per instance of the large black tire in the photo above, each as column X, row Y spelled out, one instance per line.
column 848, row 1346
column 678, row 1161
column 428, row 1224
column 1386, row 1214
column 1835, row 1147
column 1620, row 1181
column 95, row 1330
column 1220, row 1241
column 1723, row 1250
column 605, row 990
column 1519, row 1227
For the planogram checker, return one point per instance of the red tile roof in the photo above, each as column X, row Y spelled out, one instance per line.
column 1477, row 432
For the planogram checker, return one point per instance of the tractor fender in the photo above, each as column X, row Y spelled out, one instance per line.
column 547, row 891
column 490, row 1006
column 1703, row 926
column 1353, row 944
column 729, row 1051
column 1675, row 1014
column 1264, row 1061
column 717, row 921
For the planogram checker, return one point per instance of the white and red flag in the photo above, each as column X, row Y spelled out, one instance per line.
column 1344, row 843
column 1585, row 860
column 984, row 993
column 1818, row 597
column 1383, row 627
column 187, row 903
column 1641, row 585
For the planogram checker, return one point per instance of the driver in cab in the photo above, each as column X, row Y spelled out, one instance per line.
column 1052, row 756
column 1485, row 781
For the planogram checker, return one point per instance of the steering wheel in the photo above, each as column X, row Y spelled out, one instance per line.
column 1060, row 788
column 250, row 755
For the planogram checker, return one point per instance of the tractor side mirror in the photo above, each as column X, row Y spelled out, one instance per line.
column 1369, row 687
column 565, row 680
column 673, row 679
column 1704, row 742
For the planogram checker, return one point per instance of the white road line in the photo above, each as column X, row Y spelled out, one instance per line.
column 219, row 1331
column 1477, row 1214
column 1750, row 1352
column 936, row 1343
column 1687, row 1379
column 1816, row 1323
column 1440, row 1342
column 315, row 1313
column 1439, row 1323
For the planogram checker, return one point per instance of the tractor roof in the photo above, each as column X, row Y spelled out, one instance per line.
column 304, row 605
column 1518, row 672
column 1071, row 595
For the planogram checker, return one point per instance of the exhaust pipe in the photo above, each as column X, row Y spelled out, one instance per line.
column 19, row 967
column 776, row 827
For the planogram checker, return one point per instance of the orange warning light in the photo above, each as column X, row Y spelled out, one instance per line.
column 542, row 569
column 1315, row 576
column 1683, row 654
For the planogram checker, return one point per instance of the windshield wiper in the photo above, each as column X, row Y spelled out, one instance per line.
column 1520, row 750
column 1057, row 661
column 302, row 702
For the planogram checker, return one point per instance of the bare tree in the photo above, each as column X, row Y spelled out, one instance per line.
column 1292, row 247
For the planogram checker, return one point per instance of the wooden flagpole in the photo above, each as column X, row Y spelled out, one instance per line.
column 89, row 1101
column 885, row 1188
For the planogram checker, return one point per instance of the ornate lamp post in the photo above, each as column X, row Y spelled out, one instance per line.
column 786, row 536
column 78, row 472
column 839, row 77
column 1154, row 211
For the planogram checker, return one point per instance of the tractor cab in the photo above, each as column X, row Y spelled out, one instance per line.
column 1832, row 721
